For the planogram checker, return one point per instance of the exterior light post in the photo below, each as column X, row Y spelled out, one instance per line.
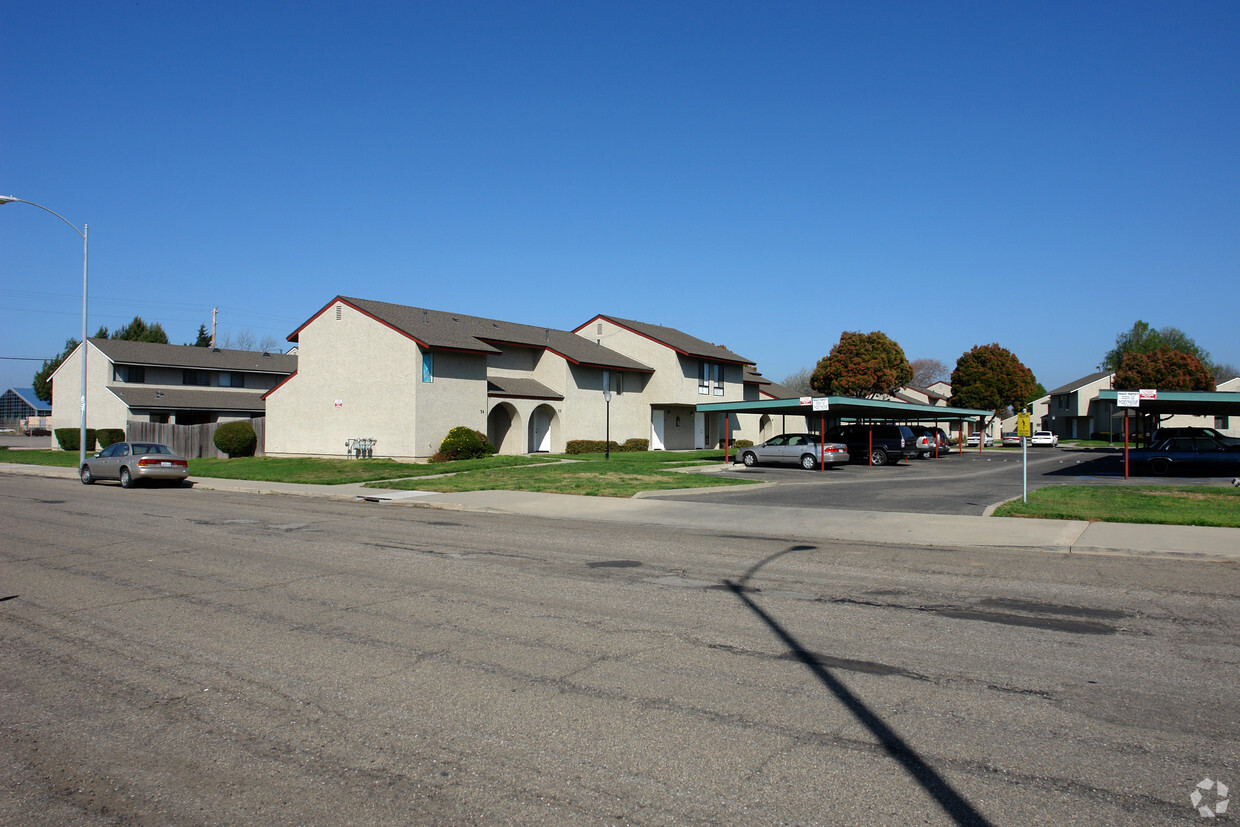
column 84, row 233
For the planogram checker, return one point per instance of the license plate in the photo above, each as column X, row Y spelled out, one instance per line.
column 166, row 464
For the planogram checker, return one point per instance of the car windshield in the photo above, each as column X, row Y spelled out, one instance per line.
column 150, row 448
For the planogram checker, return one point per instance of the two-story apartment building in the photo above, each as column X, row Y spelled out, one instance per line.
column 405, row 376
column 1074, row 411
column 150, row 382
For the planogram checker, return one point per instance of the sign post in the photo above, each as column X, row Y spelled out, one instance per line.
column 607, row 439
column 822, row 405
column 1130, row 399
column 1025, row 430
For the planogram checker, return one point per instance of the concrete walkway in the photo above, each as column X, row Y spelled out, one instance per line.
column 882, row 527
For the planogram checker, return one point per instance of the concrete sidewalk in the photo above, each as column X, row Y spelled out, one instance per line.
column 881, row 527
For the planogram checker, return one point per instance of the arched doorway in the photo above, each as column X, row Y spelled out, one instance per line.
column 543, row 424
column 504, row 429
column 765, row 428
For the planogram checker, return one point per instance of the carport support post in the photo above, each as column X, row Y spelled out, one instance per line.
column 822, row 443
column 871, row 451
column 1125, row 444
column 727, row 437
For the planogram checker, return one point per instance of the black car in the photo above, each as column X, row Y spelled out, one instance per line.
column 1186, row 454
column 1163, row 434
column 876, row 444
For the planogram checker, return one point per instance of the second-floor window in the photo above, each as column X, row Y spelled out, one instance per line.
column 428, row 367
column 613, row 381
column 710, row 374
column 232, row 380
column 129, row 373
column 195, row 377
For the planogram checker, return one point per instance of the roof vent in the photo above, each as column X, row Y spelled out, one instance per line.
column 424, row 319
column 546, row 334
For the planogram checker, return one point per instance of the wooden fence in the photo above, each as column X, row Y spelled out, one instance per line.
column 190, row 441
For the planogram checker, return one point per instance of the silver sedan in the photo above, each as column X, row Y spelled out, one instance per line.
column 802, row 449
column 130, row 462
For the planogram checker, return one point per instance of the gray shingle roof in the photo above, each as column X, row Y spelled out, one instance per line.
column 185, row 356
column 1084, row 380
column 507, row 386
column 436, row 329
column 677, row 340
column 752, row 377
column 196, row 399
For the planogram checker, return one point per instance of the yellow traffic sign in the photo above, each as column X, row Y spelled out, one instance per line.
column 1022, row 424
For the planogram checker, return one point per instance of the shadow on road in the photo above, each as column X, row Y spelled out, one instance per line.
column 953, row 803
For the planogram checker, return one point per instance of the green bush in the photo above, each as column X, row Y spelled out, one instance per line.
column 589, row 446
column 237, row 439
column 635, row 444
column 463, row 443
column 107, row 436
column 69, row 439
column 743, row 443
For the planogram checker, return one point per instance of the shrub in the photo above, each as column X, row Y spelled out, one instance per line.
column 237, row 439
column 590, row 446
column 635, row 444
column 463, row 443
column 107, row 436
column 69, row 439
column 743, row 443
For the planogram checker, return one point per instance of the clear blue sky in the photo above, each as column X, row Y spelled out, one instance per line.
column 761, row 175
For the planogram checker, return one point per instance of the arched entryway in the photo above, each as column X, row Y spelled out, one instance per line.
column 504, row 429
column 765, row 429
column 543, row 429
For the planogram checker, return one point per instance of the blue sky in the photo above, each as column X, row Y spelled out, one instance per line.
column 763, row 176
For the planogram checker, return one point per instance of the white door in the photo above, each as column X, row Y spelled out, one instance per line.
column 541, row 431
column 656, row 429
column 699, row 430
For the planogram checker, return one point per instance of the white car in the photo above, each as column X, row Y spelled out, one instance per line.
column 972, row 440
column 1044, row 438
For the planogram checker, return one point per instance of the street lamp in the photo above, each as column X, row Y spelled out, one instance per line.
column 84, row 233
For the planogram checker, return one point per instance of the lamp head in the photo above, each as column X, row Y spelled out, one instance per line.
column 4, row 199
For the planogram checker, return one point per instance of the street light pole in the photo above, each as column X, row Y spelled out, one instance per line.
column 85, row 234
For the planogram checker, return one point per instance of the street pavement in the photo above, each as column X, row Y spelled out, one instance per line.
column 848, row 525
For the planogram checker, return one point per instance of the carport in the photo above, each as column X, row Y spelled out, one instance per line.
column 841, row 410
column 1155, row 406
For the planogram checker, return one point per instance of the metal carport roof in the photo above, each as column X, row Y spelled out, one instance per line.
column 850, row 409
column 1193, row 403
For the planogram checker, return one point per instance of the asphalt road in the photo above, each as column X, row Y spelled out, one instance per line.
column 180, row 656
column 965, row 483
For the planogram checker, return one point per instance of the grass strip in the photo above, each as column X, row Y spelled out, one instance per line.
column 1166, row 505
column 41, row 456
column 320, row 471
column 591, row 478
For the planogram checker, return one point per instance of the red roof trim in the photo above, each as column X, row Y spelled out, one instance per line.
column 277, row 386
column 659, row 341
column 341, row 300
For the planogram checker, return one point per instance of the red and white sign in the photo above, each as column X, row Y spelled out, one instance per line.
column 1149, row 393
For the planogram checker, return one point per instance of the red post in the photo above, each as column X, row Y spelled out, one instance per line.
column 727, row 436
column 1125, row 445
column 871, row 458
column 822, row 443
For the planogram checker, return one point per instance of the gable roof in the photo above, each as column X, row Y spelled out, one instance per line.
column 1080, row 383
column 750, row 376
column 438, row 330
column 150, row 398
column 187, row 356
column 28, row 396
column 677, row 340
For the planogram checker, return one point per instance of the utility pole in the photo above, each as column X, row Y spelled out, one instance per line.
column 214, row 311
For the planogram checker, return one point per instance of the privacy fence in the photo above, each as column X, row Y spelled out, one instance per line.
column 190, row 441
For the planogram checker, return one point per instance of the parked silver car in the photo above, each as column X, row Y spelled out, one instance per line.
column 130, row 462
column 802, row 449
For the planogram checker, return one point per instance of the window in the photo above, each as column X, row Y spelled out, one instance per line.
column 1221, row 423
column 428, row 367
column 129, row 373
column 613, row 381
column 195, row 377
column 232, row 380
column 710, row 373
column 704, row 377
column 718, row 380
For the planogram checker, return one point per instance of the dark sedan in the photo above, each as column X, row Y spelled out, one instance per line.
column 130, row 462
column 1201, row 455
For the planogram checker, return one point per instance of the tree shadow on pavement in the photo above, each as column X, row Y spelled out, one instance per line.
column 953, row 803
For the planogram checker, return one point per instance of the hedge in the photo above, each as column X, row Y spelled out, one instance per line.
column 598, row 446
column 69, row 439
column 107, row 436
column 743, row 443
column 463, row 443
column 237, row 439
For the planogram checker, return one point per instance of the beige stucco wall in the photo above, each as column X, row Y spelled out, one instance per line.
column 103, row 408
column 375, row 373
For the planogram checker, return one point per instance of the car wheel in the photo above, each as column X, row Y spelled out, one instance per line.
column 809, row 462
column 126, row 479
column 749, row 459
column 1160, row 466
column 878, row 457
column 87, row 479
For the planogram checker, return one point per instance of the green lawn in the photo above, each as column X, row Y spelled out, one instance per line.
column 41, row 456
column 340, row 471
column 1168, row 505
column 622, row 476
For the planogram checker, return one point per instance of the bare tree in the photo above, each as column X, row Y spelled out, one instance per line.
column 1225, row 371
column 799, row 381
column 928, row 371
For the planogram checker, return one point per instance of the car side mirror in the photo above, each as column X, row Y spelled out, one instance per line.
column 96, row 455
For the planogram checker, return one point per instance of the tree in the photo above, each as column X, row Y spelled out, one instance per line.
column 862, row 365
column 927, row 371
column 1164, row 369
column 1144, row 339
column 42, row 381
column 140, row 331
column 204, row 338
column 799, row 382
column 991, row 378
column 1224, row 371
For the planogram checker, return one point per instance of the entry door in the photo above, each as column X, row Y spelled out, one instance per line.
column 656, row 429
column 699, row 430
column 541, row 436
